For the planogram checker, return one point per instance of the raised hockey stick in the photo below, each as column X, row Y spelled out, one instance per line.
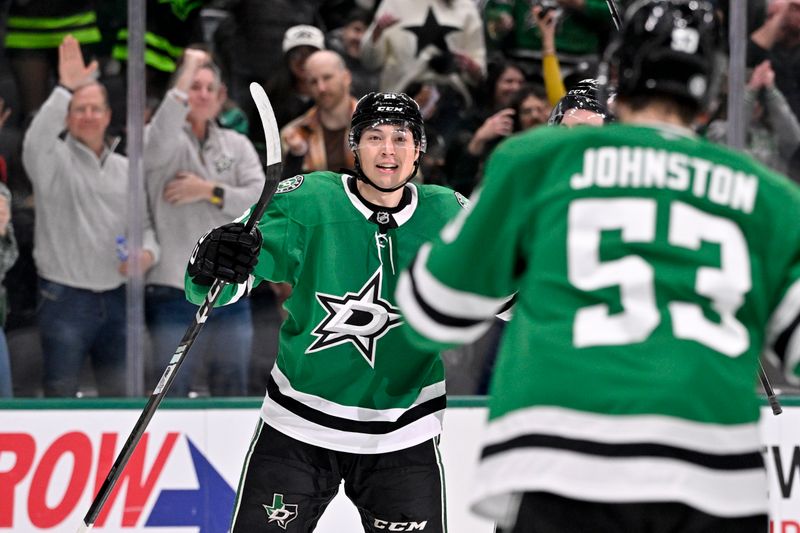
column 612, row 6
column 273, row 173
column 771, row 396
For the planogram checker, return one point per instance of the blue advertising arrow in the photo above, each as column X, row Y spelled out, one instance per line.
column 209, row 506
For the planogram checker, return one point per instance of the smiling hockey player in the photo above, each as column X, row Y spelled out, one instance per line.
column 348, row 398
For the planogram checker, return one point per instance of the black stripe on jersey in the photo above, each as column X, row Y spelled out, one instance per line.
column 782, row 342
column 734, row 461
column 354, row 426
column 433, row 314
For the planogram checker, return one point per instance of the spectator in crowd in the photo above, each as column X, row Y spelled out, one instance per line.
column 436, row 42
column 34, row 31
column 248, row 41
column 347, row 41
column 530, row 106
column 8, row 254
column 248, row 37
column 482, row 127
column 778, row 40
column 582, row 105
column 347, row 400
column 580, row 35
column 80, row 191
column 318, row 139
column 198, row 175
column 773, row 131
column 547, row 22
column 603, row 417
column 288, row 88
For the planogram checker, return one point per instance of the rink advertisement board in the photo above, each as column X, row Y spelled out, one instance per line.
column 183, row 476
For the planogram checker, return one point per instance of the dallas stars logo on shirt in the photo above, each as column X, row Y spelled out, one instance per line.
column 279, row 512
column 359, row 318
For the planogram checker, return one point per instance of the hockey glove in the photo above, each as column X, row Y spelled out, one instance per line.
column 226, row 253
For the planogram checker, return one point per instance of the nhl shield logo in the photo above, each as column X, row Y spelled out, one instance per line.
column 382, row 217
column 289, row 184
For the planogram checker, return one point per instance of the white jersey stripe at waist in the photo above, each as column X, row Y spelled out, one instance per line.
column 298, row 428
column 361, row 414
column 624, row 429
column 616, row 480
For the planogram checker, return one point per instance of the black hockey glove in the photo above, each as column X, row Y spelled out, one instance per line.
column 226, row 253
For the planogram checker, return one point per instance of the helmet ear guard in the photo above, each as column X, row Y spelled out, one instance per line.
column 667, row 47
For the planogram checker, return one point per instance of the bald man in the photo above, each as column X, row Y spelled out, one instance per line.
column 317, row 140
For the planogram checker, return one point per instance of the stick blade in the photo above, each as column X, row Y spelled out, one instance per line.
column 268, row 121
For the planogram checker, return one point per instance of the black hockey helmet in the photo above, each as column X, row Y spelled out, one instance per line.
column 374, row 109
column 583, row 95
column 387, row 108
column 668, row 47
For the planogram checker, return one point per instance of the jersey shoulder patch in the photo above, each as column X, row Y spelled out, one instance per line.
column 290, row 184
column 462, row 200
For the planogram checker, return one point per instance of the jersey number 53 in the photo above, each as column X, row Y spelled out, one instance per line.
column 689, row 227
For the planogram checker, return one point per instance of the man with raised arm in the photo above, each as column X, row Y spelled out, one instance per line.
column 81, row 194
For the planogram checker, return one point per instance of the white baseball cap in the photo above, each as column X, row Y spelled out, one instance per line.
column 303, row 35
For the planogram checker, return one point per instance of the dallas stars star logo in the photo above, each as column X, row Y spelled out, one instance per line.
column 279, row 512
column 359, row 318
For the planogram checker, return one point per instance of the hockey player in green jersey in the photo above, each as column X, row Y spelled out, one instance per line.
column 651, row 269
column 348, row 398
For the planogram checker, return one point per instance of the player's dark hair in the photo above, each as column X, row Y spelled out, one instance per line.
column 686, row 109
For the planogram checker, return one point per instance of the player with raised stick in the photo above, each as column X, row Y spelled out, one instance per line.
column 348, row 398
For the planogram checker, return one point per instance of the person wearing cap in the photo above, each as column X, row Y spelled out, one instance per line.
column 347, row 400
column 317, row 139
column 287, row 88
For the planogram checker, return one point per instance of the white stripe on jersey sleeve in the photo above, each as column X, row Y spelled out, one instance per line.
column 426, row 325
column 452, row 302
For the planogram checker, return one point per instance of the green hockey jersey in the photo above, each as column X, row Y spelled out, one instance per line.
column 345, row 377
column 651, row 268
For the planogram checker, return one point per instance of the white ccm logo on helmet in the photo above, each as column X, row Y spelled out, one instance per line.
column 400, row 526
column 390, row 108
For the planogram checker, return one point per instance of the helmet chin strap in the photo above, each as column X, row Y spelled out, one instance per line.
column 363, row 177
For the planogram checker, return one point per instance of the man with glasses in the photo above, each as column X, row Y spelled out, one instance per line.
column 81, row 193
